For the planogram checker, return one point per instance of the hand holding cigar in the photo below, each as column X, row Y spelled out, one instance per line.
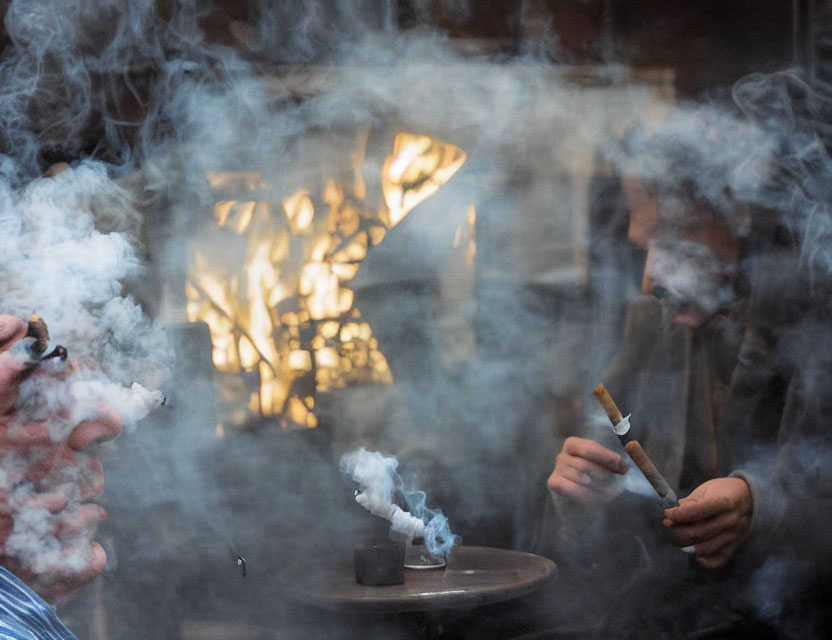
column 634, row 448
column 587, row 471
column 715, row 519
column 49, row 457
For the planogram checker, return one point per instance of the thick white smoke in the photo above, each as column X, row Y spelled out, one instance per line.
column 69, row 246
column 56, row 263
column 379, row 484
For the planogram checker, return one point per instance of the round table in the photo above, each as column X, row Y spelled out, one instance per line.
column 473, row 576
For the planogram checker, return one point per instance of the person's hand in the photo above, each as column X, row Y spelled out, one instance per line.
column 587, row 471
column 715, row 518
column 49, row 474
column 14, row 366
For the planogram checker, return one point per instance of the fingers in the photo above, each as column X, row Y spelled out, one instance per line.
column 53, row 479
column 12, row 329
column 706, row 530
column 24, row 436
column 595, row 453
column 6, row 527
column 693, row 510
column 595, row 472
column 77, row 566
column 715, row 553
column 81, row 520
column 60, row 555
column 105, row 427
column 713, row 547
column 576, row 490
column 583, row 477
column 586, row 471
column 53, row 501
column 715, row 518
column 584, row 486
column 710, row 499
column 14, row 366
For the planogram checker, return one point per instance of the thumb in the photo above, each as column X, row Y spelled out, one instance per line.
column 689, row 509
column 15, row 360
column 12, row 329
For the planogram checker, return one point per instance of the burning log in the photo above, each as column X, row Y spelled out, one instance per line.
column 633, row 448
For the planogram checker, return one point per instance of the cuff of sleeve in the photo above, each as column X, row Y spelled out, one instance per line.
column 768, row 503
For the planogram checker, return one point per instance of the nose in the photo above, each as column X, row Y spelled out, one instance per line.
column 106, row 426
column 648, row 280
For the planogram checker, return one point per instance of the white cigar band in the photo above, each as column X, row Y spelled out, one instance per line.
column 623, row 426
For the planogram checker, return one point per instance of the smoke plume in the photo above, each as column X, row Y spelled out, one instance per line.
column 379, row 485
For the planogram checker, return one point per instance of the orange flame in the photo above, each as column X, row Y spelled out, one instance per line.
column 292, row 320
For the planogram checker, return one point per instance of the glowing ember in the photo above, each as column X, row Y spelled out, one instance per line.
column 285, row 312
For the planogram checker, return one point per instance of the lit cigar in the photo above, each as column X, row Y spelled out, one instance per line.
column 637, row 454
column 37, row 329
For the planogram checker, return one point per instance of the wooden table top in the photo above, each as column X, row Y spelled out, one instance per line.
column 473, row 576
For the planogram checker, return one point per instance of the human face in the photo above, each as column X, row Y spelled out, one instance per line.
column 644, row 210
column 49, row 472
column 692, row 273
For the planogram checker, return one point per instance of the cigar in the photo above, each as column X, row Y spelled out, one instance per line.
column 620, row 424
column 607, row 404
column 638, row 455
column 37, row 329
column 634, row 448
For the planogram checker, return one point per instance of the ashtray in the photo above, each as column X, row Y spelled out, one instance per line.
column 418, row 557
column 379, row 562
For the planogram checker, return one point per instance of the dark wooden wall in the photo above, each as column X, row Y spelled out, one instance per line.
column 707, row 43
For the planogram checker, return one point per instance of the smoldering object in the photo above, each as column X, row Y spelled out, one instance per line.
column 39, row 332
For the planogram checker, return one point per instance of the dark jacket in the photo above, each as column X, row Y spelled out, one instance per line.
column 747, row 394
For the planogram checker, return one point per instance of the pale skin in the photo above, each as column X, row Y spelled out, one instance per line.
column 587, row 471
column 56, row 480
column 716, row 517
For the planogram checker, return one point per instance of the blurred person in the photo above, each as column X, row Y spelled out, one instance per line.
column 723, row 366
column 49, row 475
